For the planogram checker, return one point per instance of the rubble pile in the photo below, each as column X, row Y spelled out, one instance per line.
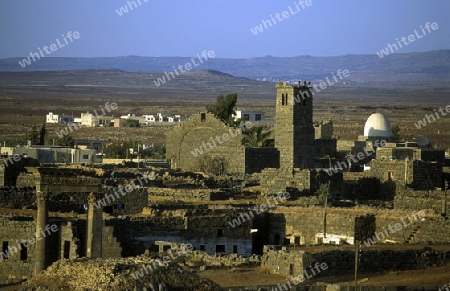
column 116, row 274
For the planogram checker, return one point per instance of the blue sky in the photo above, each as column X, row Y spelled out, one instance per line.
column 187, row 27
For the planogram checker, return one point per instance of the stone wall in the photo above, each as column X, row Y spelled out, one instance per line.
column 323, row 129
column 286, row 225
column 130, row 203
column 289, row 223
column 323, row 147
column 200, row 132
column 70, row 245
column 187, row 194
column 274, row 181
column 295, row 262
column 17, row 197
column 25, row 198
column 208, row 230
column 416, row 174
column 257, row 159
column 416, row 200
column 14, row 228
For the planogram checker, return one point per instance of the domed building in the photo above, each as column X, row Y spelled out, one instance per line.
column 378, row 126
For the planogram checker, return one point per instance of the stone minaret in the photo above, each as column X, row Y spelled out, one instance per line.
column 294, row 131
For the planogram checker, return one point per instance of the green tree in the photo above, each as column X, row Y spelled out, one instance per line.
column 42, row 134
column 323, row 193
column 257, row 136
column 66, row 140
column 34, row 135
column 224, row 108
column 396, row 131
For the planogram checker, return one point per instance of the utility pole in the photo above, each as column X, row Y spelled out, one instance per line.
column 326, row 202
column 138, row 158
column 356, row 263
column 444, row 206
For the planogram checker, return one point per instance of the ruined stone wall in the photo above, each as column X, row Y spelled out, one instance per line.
column 417, row 174
column 200, row 132
column 306, row 224
column 416, row 200
column 274, row 181
column 427, row 175
column 25, row 198
column 70, row 245
column 17, row 197
column 323, row 147
column 342, row 262
column 397, row 171
column 344, row 145
column 13, row 229
column 323, row 129
column 285, row 225
column 203, row 231
column 294, row 262
column 132, row 202
column 257, row 159
column 189, row 194
column 2, row 175
column 110, row 246
column 432, row 231
column 284, row 262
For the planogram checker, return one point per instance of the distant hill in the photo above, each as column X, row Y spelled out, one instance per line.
column 426, row 68
column 112, row 82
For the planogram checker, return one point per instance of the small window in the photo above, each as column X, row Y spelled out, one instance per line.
column 202, row 247
column 390, row 176
column 220, row 248
column 85, row 157
column 246, row 117
column 282, row 100
column 220, row 232
column 4, row 254
column 235, row 249
column 203, row 117
column 258, row 117
column 23, row 252
column 66, row 249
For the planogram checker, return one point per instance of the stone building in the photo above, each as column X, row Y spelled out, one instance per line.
column 323, row 129
column 204, row 143
column 196, row 144
column 294, row 131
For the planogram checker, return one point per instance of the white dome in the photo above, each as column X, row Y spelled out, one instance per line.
column 377, row 125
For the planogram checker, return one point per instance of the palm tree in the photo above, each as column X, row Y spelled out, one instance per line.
column 257, row 136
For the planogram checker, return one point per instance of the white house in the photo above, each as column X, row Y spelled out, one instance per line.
column 55, row 154
column 251, row 116
column 58, row 118
column 149, row 118
column 88, row 120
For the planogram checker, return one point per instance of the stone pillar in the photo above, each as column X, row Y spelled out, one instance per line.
column 41, row 221
column 94, row 228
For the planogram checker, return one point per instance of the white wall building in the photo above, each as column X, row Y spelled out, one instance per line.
column 88, row 120
column 251, row 116
column 58, row 118
column 55, row 154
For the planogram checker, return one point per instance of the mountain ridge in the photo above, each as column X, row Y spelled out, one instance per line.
column 403, row 67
